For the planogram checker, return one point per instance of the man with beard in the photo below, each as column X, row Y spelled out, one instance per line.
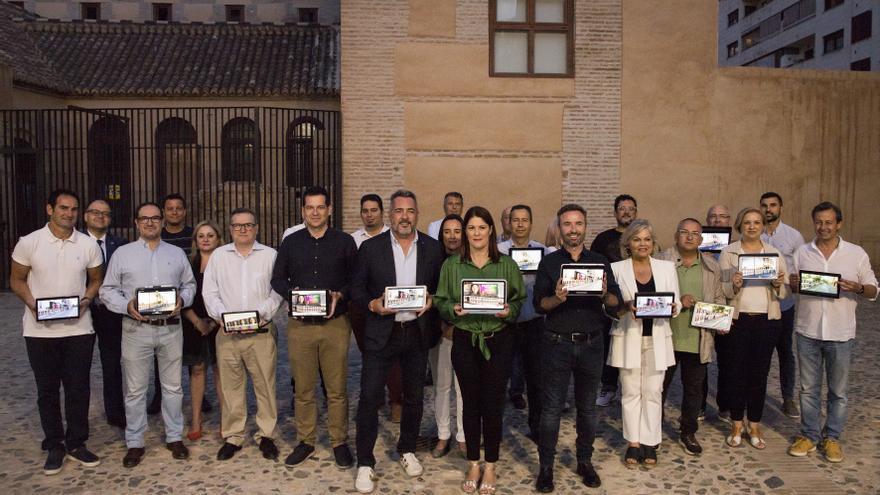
column 607, row 244
column 394, row 335
column 575, row 330
column 787, row 240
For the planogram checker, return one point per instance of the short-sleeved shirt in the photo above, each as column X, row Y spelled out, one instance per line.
column 182, row 239
column 686, row 338
column 57, row 269
column 831, row 319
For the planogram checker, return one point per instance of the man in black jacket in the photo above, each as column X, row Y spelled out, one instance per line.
column 107, row 324
column 400, row 257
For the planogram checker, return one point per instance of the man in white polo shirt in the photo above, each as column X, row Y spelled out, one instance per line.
column 825, row 330
column 53, row 262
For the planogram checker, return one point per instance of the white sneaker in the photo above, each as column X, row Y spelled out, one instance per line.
column 411, row 464
column 366, row 480
column 606, row 397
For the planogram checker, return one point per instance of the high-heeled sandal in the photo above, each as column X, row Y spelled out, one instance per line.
column 469, row 485
column 487, row 488
column 649, row 456
column 633, row 457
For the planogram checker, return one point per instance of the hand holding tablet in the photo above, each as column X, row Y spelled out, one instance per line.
column 484, row 296
column 309, row 303
column 57, row 308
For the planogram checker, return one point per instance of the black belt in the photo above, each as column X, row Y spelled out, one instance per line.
column 404, row 325
column 573, row 337
column 158, row 323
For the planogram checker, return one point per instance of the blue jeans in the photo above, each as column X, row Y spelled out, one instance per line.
column 563, row 359
column 814, row 356
column 140, row 342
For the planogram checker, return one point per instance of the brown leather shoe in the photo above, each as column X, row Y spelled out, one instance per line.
column 133, row 457
column 178, row 450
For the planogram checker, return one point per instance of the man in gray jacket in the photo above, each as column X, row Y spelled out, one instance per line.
column 699, row 279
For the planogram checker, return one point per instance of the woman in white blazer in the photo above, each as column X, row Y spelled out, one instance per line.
column 642, row 348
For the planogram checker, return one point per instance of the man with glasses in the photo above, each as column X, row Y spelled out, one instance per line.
column 318, row 257
column 150, row 262
column 107, row 324
column 718, row 216
column 607, row 243
column 52, row 262
column 699, row 279
column 253, row 353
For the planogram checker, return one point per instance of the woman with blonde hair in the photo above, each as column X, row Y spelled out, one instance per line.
column 744, row 354
column 642, row 347
column 199, row 330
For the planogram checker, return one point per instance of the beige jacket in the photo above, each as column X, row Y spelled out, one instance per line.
column 729, row 261
column 712, row 293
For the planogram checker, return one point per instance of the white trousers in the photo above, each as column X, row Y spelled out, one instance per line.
column 440, row 358
column 642, row 400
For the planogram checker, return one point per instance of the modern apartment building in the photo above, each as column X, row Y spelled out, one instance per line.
column 807, row 34
column 241, row 11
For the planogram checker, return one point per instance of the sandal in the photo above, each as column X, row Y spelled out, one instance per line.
column 469, row 485
column 633, row 457
column 649, row 456
column 734, row 440
column 756, row 441
column 487, row 488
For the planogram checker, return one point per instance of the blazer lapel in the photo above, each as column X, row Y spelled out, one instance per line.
column 421, row 277
column 629, row 279
column 392, row 271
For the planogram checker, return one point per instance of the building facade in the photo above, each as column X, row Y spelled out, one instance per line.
column 804, row 34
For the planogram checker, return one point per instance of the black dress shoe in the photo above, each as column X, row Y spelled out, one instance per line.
column 343, row 457
column 178, row 450
column 227, row 451
column 299, row 454
column 690, row 444
column 518, row 401
column 544, row 484
column 133, row 457
column 268, row 448
column 589, row 475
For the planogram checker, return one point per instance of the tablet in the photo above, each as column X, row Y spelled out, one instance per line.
column 156, row 301
column 759, row 266
column 57, row 308
column 527, row 259
column 654, row 304
column 819, row 284
column 710, row 316
column 406, row 298
column 241, row 322
column 715, row 239
column 483, row 296
column 309, row 303
column 582, row 279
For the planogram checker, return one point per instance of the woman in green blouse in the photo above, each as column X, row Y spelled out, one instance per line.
column 482, row 345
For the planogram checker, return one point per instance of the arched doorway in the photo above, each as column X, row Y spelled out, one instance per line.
column 178, row 164
column 302, row 135
column 109, row 154
column 28, row 213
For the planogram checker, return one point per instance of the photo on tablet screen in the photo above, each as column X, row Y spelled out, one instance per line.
column 819, row 284
column 57, row 308
column 527, row 259
column 483, row 296
column 406, row 298
column 241, row 322
column 309, row 303
column 761, row 266
column 654, row 304
column 153, row 301
column 582, row 279
column 712, row 316
column 715, row 239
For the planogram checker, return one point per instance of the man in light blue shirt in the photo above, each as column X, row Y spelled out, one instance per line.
column 149, row 262
column 529, row 325
column 787, row 240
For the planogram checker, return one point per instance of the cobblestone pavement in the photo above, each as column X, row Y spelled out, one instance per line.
column 719, row 470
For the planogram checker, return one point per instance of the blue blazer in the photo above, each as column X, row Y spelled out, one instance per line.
column 375, row 271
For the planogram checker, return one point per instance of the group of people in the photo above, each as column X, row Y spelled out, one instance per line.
column 540, row 340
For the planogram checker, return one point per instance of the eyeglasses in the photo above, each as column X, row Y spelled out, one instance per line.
column 243, row 226
column 688, row 233
column 98, row 213
column 149, row 219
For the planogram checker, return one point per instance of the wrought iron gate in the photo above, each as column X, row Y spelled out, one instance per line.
column 218, row 158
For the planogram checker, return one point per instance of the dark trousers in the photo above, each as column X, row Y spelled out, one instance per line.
column 561, row 360
column 785, row 354
column 405, row 347
column 748, row 351
column 357, row 318
column 693, row 377
column 610, row 374
column 67, row 362
column 517, row 383
column 483, row 384
column 530, row 338
column 108, row 329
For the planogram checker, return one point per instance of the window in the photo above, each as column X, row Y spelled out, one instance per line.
column 733, row 18
column 861, row 65
column 833, row 41
column 749, row 10
column 109, row 155
column 162, row 12
column 750, row 39
column 91, row 11
column 178, row 157
column 830, row 4
column 240, row 143
column 235, row 13
column 302, row 138
column 861, row 27
column 733, row 49
column 308, row 16
column 531, row 38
